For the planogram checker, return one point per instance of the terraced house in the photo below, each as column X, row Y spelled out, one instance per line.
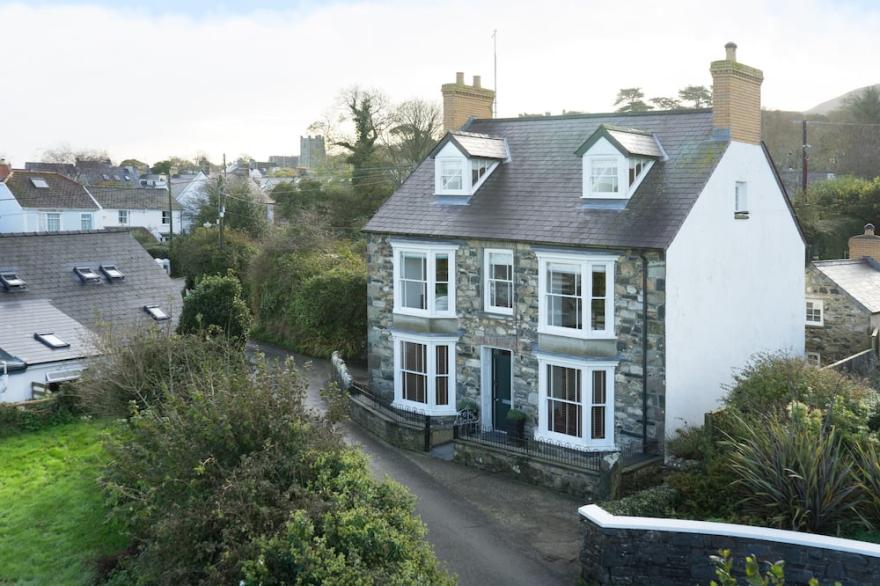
column 604, row 274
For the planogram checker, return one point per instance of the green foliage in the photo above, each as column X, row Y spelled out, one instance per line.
column 214, row 307
column 690, row 443
column 243, row 213
column 53, row 522
column 159, row 250
column 199, row 253
column 37, row 415
column 516, row 415
column 865, row 106
column 657, row 501
column 794, row 474
column 631, row 100
column 312, row 300
column 137, row 372
column 699, row 96
column 235, row 479
column 867, row 470
column 706, row 492
column 774, row 576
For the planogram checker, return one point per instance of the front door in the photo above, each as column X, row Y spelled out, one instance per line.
column 500, row 388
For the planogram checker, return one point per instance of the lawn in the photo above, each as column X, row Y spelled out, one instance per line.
column 52, row 519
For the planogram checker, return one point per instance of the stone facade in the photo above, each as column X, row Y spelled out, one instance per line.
column 671, row 558
column 519, row 332
column 847, row 324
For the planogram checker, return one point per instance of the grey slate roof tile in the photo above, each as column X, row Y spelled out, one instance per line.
column 63, row 192
column 45, row 261
column 22, row 318
column 860, row 278
column 536, row 197
column 133, row 198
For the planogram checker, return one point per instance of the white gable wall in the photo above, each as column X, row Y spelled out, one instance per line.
column 734, row 288
column 11, row 215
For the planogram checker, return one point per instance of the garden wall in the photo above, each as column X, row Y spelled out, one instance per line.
column 667, row 552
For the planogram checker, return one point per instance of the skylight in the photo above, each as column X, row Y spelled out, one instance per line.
column 112, row 273
column 12, row 282
column 51, row 340
column 39, row 183
column 87, row 275
column 105, row 177
column 156, row 312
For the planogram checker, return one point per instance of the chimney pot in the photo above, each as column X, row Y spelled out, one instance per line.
column 459, row 77
column 462, row 102
column 477, row 81
column 730, row 48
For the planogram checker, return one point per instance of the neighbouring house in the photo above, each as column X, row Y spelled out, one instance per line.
column 45, row 201
column 40, row 347
column 101, row 281
column 603, row 274
column 843, row 301
column 146, row 207
column 189, row 191
column 103, row 173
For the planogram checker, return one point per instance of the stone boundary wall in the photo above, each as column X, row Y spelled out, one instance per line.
column 402, row 435
column 667, row 552
column 540, row 471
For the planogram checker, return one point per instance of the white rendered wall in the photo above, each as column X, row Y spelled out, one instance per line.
column 149, row 219
column 16, row 386
column 734, row 288
column 11, row 214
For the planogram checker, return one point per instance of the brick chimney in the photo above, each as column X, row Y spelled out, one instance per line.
column 866, row 244
column 736, row 99
column 461, row 101
column 5, row 170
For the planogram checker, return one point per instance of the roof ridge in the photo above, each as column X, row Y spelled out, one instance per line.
column 111, row 230
column 599, row 115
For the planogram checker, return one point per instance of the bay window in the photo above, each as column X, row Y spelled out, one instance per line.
column 424, row 279
column 576, row 295
column 424, row 373
column 576, row 402
column 498, row 277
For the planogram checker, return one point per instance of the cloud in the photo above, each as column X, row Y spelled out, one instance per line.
column 149, row 84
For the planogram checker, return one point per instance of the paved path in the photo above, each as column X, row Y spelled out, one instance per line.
column 486, row 528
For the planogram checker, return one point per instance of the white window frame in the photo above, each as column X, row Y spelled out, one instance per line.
column 431, row 342
column 83, row 217
column 166, row 219
column 741, row 199
column 488, row 279
column 814, row 358
column 47, row 215
column 603, row 149
column 586, row 368
column 120, row 215
column 817, row 304
column 430, row 251
column 585, row 262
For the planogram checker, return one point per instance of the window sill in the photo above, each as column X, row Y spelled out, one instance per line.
column 809, row 325
column 576, row 334
column 741, row 215
column 423, row 409
column 498, row 312
column 573, row 444
column 427, row 314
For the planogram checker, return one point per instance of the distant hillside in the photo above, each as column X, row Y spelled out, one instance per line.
column 835, row 103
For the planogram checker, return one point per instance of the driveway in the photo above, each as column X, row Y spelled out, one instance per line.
column 487, row 529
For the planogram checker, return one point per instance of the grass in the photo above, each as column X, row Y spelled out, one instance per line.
column 52, row 518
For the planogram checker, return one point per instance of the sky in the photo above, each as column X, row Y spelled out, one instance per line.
column 148, row 80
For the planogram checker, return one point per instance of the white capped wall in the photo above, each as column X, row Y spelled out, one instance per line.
column 14, row 219
column 149, row 219
column 734, row 288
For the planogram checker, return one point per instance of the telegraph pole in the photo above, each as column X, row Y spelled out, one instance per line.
column 805, row 159
column 222, row 211
column 170, row 210
column 495, row 72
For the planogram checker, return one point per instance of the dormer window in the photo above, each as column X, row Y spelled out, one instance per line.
column 463, row 161
column 616, row 160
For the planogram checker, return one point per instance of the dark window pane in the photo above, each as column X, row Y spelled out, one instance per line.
column 598, row 281
column 599, row 387
column 442, row 390
column 442, row 359
column 442, row 267
column 501, row 295
column 414, row 387
column 597, row 314
column 414, row 357
column 414, row 294
column 597, row 423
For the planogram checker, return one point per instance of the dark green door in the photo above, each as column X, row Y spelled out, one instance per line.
column 500, row 388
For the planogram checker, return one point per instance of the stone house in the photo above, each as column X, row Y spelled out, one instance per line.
column 843, row 301
column 603, row 274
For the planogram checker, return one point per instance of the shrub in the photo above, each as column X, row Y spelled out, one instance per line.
column 138, row 371
column 199, row 253
column 794, row 474
column 158, row 250
column 657, row 501
column 235, row 479
column 690, row 443
column 706, row 492
column 216, row 307
column 867, row 470
column 774, row 576
column 313, row 301
column 57, row 409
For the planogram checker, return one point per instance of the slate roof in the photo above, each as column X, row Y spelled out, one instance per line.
column 479, row 145
column 860, row 278
column 536, row 197
column 133, row 198
column 68, row 169
column 46, row 261
column 105, row 174
column 22, row 318
column 63, row 192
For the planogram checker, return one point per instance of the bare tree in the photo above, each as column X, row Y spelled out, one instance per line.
column 414, row 130
column 64, row 153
